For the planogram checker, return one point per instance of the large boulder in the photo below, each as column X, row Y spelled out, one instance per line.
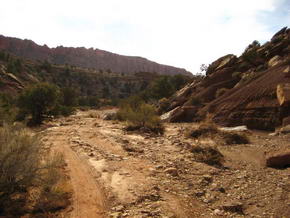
column 223, row 62
column 279, row 159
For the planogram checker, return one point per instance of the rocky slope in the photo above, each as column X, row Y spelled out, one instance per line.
column 86, row 58
column 239, row 90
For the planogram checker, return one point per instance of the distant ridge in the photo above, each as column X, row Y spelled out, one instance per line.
column 87, row 58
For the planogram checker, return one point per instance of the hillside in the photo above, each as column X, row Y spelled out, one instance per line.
column 16, row 73
column 85, row 58
column 239, row 90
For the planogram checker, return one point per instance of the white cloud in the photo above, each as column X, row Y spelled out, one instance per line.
column 183, row 33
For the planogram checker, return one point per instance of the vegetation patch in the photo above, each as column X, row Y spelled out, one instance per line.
column 29, row 178
column 234, row 138
column 208, row 155
column 140, row 116
column 210, row 130
column 204, row 129
column 43, row 100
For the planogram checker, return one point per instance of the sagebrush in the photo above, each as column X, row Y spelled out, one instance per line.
column 26, row 172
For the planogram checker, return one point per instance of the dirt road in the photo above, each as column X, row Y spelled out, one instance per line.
column 88, row 198
column 145, row 176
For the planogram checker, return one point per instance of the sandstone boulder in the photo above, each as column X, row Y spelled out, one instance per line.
column 222, row 62
column 279, row 159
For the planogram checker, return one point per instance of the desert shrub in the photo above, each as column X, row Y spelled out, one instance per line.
column 144, row 118
column 209, row 129
column 220, row 92
column 19, row 164
column 234, row 138
column 38, row 100
column 19, row 155
column 209, row 155
column 140, row 116
column 54, row 190
column 23, row 169
column 204, row 129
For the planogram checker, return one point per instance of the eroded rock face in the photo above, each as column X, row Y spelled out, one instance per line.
column 250, row 82
column 279, row 159
column 87, row 58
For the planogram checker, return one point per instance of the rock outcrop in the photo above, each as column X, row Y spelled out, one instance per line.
column 279, row 159
column 86, row 58
column 241, row 90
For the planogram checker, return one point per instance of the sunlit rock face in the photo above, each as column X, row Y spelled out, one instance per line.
column 240, row 90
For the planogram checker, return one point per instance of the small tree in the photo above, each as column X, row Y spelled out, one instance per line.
column 203, row 68
column 38, row 100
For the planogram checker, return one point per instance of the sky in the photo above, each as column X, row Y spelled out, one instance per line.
column 180, row 33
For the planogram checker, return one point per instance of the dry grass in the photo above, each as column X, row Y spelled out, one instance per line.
column 29, row 183
column 208, row 155
column 210, row 130
column 203, row 130
column 231, row 138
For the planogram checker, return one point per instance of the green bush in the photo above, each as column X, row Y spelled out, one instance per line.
column 38, row 100
column 140, row 116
